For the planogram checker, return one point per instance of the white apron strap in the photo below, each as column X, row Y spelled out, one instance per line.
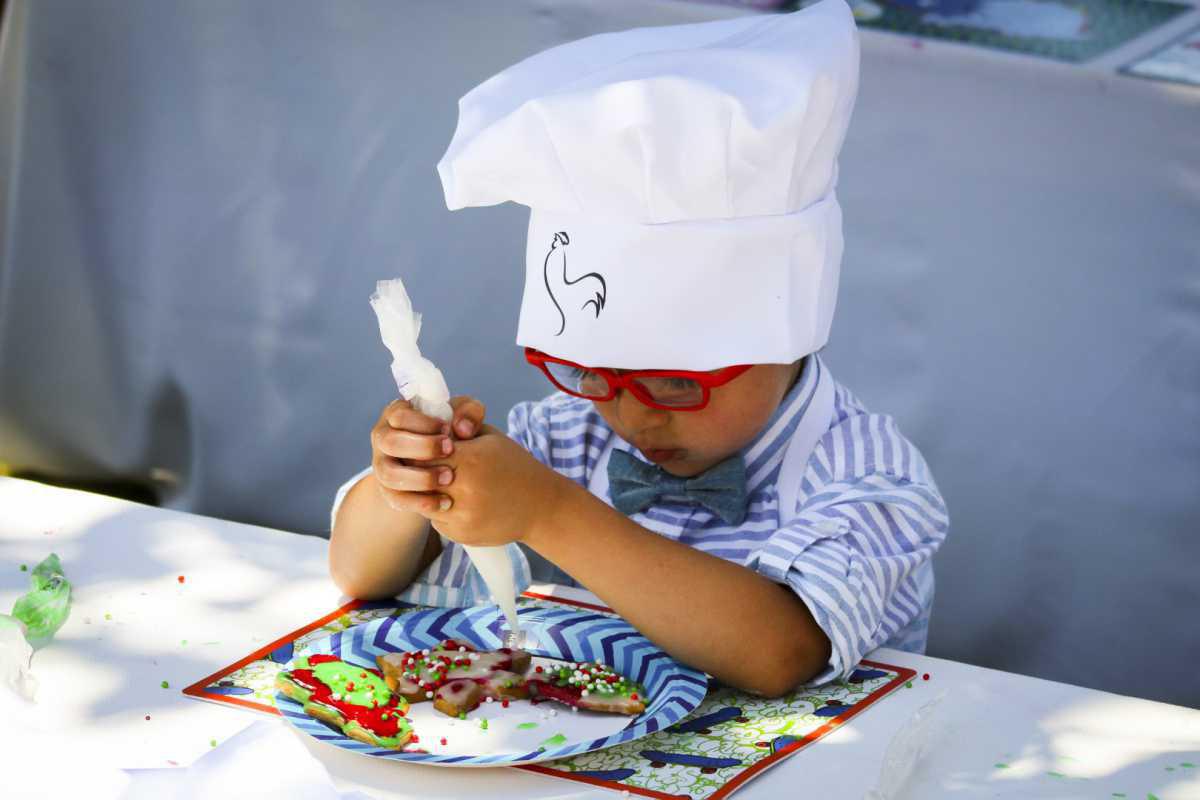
column 809, row 431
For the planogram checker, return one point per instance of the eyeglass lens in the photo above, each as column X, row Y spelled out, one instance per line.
column 667, row 391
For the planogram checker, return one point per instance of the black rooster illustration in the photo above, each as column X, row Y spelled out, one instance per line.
column 559, row 286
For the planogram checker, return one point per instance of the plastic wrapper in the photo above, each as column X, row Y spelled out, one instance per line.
column 918, row 737
column 45, row 607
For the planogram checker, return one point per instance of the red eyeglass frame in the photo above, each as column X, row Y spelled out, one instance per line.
column 627, row 379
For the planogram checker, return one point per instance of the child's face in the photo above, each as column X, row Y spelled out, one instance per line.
column 697, row 440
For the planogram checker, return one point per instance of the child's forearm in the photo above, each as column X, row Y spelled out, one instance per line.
column 375, row 551
column 715, row 615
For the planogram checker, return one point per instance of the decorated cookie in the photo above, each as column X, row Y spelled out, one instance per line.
column 591, row 686
column 356, row 700
column 419, row 675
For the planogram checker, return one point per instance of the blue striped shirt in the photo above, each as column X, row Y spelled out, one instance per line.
column 857, row 550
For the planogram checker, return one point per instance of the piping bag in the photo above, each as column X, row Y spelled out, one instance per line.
column 422, row 384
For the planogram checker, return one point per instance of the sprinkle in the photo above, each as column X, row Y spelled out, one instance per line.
column 184, row 642
column 336, row 696
column 462, row 715
column 489, row 700
column 108, row 616
column 504, row 702
column 525, row 726
column 443, row 740
column 633, row 696
column 165, row 685
column 147, row 717
column 584, row 693
column 212, row 742
column 24, row 568
column 925, row 677
column 908, row 685
column 483, row 724
column 181, row 579
column 538, row 669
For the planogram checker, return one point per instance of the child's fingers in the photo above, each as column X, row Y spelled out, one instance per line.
column 402, row 477
column 413, row 446
column 424, row 503
column 399, row 414
column 468, row 415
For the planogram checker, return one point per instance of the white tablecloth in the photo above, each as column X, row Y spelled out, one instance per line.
column 244, row 586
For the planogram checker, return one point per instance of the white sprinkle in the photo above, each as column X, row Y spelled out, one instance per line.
column 336, row 696
column 462, row 649
column 553, row 713
column 585, row 693
column 488, row 700
column 429, row 695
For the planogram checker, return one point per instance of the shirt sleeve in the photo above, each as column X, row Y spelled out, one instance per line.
column 869, row 519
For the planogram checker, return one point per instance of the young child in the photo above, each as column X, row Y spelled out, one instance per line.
column 741, row 509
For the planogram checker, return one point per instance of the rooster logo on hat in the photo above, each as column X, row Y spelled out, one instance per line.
column 554, row 271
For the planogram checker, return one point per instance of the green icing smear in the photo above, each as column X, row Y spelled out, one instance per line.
column 554, row 741
column 525, row 726
column 337, row 674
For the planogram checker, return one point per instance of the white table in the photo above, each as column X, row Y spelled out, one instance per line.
column 246, row 585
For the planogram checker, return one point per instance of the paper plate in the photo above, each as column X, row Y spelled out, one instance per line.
column 521, row 733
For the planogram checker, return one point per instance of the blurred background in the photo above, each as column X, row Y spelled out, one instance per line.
column 197, row 198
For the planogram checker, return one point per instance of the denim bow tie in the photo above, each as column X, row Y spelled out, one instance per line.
column 634, row 485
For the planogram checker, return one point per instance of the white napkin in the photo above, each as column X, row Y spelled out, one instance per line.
column 33, row 754
column 264, row 760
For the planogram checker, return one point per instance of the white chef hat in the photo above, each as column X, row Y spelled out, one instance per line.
column 681, row 185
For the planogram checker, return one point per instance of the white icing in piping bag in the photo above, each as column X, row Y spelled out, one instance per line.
column 422, row 384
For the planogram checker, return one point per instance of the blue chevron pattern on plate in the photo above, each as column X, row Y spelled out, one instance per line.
column 558, row 633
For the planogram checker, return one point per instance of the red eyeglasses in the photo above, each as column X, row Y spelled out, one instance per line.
column 668, row 389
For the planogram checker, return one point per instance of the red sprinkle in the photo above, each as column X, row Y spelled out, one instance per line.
column 633, row 696
column 925, row 677
column 503, row 704
column 443, row 740
column 538, row 669
column 147, row 717
column 181, row 579
column 414, row 738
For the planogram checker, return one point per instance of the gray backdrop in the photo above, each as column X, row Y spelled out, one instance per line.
column 199, row 196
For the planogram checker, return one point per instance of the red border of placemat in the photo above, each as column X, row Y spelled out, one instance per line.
column 905, row 675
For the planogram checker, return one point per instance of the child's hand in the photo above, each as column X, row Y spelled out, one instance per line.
column 499, row 491
column 404, row 446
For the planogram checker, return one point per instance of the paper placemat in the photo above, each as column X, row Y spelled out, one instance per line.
column 728, row 740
